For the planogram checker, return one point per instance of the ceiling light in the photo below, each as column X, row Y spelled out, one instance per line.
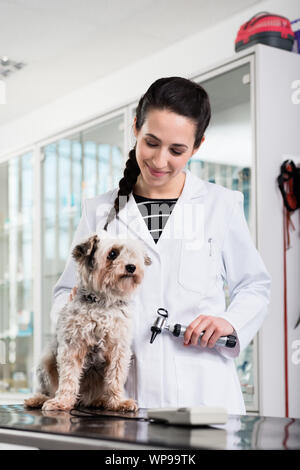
column 8, row 67
column 4, row 60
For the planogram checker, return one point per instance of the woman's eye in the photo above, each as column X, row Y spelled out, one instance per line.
column 155, row 145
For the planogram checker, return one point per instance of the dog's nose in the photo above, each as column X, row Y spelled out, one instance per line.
column 130, row 268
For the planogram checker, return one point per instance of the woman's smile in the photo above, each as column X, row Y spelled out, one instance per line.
column 155, row 173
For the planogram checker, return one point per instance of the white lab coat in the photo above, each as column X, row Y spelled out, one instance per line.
column 186, row 277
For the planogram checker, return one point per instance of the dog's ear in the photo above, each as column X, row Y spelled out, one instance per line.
column 147, row 260
column 84, row 252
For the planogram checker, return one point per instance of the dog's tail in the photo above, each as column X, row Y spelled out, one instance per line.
column 36, row 402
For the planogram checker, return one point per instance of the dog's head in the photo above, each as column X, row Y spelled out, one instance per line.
column 113, row 266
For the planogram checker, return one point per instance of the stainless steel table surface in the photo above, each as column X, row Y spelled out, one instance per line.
column 60, row 430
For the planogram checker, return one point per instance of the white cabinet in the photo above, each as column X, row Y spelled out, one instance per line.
column 277, row 136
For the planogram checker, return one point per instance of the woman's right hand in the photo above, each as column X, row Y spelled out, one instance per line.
column 72, row 294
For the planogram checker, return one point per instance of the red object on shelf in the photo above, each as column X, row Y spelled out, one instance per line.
column 265, row 28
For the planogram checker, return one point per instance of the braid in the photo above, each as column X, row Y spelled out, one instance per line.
column 126, row 184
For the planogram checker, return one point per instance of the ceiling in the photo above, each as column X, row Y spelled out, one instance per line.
column 67, row 44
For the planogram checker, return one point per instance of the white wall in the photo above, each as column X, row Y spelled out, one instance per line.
column 185, row 58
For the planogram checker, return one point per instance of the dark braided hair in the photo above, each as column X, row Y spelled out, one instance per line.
column 175, row 94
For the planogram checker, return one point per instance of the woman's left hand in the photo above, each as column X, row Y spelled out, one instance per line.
column 214, row 328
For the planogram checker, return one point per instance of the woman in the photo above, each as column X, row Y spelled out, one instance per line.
column 197, row 237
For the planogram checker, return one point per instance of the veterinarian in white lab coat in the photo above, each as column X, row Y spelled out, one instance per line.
column 205, row 241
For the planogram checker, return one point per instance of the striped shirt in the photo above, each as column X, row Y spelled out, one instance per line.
column 155, row 213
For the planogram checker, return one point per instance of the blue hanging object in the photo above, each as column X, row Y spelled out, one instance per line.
column 297, row 34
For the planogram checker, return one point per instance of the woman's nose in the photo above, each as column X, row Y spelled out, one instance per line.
column 160, row 160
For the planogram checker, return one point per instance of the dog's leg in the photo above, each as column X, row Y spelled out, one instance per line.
column 115, row 376
column 48, row 381
column 70, row 362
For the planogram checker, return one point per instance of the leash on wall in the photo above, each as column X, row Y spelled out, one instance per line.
column 289, row 185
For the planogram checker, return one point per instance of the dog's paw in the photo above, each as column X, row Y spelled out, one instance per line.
column 58, row 404
column 127, row 405
column 119, row 405
column 97, row 404
column 36, row 401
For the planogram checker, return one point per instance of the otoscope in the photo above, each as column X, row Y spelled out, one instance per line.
column 179, row 330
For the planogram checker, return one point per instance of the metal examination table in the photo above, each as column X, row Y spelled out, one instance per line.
column 60, row 430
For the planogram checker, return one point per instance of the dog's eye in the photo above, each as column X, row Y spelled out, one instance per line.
column 112, row 254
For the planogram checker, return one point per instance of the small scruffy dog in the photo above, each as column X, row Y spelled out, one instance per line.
column 89, row 359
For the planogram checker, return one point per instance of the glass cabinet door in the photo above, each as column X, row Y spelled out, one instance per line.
column 16, row 274
column 80, row 166
column 225, row 158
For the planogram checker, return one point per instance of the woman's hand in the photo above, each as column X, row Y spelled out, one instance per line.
column 72, row 294
column 214, row 328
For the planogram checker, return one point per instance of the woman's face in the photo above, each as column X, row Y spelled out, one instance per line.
column 164, row 145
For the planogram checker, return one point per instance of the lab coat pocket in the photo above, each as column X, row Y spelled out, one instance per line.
column 130, row 385
column 199, row 265
column 200, row 380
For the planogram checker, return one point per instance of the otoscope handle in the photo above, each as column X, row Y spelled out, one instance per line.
column 179, row 330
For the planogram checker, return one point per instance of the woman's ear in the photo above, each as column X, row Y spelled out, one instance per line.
column 197, row 148
column 134, row 127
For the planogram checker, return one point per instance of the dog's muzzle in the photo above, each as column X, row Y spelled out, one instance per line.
column 130, row 268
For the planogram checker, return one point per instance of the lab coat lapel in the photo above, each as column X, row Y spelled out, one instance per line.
column 187, row 217
column 130, row 222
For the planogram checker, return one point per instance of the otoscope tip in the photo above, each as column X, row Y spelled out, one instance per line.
column 154, row 334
